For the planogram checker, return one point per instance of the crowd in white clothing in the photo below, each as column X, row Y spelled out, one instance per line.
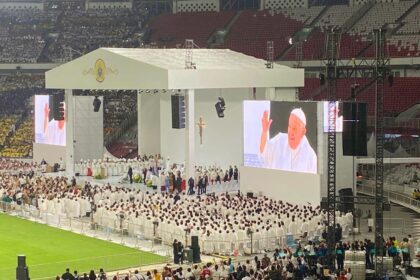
column 154, row 168
column 221, row 221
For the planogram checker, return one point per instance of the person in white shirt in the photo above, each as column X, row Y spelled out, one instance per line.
column 137, row 276
column 349, row 276
column 289, row 151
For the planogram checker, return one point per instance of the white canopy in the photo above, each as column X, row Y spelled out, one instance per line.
column 118, row 68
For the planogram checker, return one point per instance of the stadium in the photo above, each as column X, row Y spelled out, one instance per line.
column 209, row 139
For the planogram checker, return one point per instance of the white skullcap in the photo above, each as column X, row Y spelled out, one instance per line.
column 300, row 114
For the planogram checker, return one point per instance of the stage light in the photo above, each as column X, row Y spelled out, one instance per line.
column 96, row 104
column 321, row 79
column 353, row 88
column 220, row 107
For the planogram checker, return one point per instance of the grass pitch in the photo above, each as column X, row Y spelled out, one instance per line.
column 49, row 251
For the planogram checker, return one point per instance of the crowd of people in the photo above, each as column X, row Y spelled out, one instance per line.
column 223, row 222
column 64, row 31
column 83, row 31
column 118, row 105
column 159, row 173
column 306, row 262
column 16, row 123
column 21, row 36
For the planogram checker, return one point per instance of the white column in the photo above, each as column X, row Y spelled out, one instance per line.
column 139, row 135
column 270, row 94
column 280, row 94
column 69, row 103
column 189, row 134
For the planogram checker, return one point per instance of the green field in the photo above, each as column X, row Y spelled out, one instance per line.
column 49, row 251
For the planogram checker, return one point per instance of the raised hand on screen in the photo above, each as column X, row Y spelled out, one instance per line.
column 46, row 114
column 265, row 124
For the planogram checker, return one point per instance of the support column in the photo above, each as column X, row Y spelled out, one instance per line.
column 139, row 135
column 189, row 134
column 280, row 94
column 69, row 117
column 270, row 94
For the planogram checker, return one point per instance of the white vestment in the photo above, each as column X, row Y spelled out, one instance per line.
column 278, row 155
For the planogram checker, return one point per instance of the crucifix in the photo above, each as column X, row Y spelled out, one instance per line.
column 201, row 125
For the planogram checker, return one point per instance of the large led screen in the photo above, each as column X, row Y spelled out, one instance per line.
column 47, row 130
column 338, row 108
column 280, row 135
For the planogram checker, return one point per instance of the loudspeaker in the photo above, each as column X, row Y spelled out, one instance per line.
column 195, row 249
column 188, row 255
column 194, row 241
column 324, row 203
column 346, row 200
column 354, row 129
column 250, row 195
column 22, row 271
column 178, row 111
column 21, row 261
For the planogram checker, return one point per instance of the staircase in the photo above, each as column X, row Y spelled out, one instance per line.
column 406, row 13
column 400, row 20
column 218, row 37
column 319, row 16
column 356, row 16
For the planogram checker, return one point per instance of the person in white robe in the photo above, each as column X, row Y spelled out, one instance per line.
column 289, row 151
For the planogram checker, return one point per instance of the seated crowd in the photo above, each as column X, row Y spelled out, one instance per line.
column 223, row 223
column 117, row 108
column 16, row 124
column 221, row 220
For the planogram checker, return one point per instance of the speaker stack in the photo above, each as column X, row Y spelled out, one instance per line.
column 196, row 249
column 354, row 129
column 346, row 200
column 178, row 111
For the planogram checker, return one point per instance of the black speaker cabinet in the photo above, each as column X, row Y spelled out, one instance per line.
column 354, row 129
column 178, row 111
column 22, row 271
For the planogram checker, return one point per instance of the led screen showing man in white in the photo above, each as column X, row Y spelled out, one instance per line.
column 280, row 135
column 47, row 130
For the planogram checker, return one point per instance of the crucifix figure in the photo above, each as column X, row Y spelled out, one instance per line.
column 201, row 125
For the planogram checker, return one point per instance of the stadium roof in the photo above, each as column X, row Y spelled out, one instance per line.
column 118, row 68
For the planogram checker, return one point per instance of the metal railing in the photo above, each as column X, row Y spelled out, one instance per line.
column 367, row 187
column 153, row 238
column 413, row 123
